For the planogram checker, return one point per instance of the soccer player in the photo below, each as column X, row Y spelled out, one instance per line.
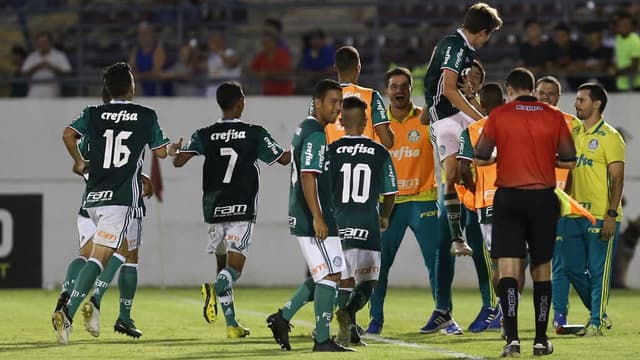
column 415, row 206
column 447, row 110
column 548, row 90
column 230, row 180
column 312, row 222
column 347, row 65
column 531, row 139
column 118, row 133
column 597, row 184
column 127, row 280
column 361, row 171
column 483, row 187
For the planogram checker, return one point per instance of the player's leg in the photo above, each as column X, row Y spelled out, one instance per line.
column 237, row 236
column 367, row 272
column 574, row 257
column 473, row 234
column 128, row 281
column 111, row 229
column 600, row 258
column 423, row 221
column 390, row 241
column 559, row 282
column 445, row 262
column 345, row 291
column 217, row 246
column 447, row 137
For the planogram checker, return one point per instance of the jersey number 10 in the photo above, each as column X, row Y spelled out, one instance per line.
column 115, row 152
column 352, row 187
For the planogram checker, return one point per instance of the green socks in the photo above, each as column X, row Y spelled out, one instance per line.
column 324, row 302
column 359, row 299
column 84, row 282
column 452, row 205
column 127, row 283
column 344, row 294
column 224, row 292
column 72, row 272
column 104, row 280
column 303, row 295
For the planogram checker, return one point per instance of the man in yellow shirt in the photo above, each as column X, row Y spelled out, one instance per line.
column 597, row 183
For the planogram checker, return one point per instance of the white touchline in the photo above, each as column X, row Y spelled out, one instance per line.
column 453, row 354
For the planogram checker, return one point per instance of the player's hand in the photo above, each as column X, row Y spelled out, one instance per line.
column 147, row 189
column 320, row 228
column 174, row 147
column 608, row 228
column 80, row 167
column 384, row 223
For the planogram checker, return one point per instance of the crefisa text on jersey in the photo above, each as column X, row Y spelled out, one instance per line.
column 230, row 134
column 121, row 115
column 356, row 149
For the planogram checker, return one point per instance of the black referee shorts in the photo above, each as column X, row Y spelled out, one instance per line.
column 524, row 219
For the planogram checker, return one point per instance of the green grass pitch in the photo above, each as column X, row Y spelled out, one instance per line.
column 174, row 328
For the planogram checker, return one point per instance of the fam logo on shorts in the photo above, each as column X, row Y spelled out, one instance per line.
column 593, row 144
column 442, row 149
column 414, row 136
column 337, row 261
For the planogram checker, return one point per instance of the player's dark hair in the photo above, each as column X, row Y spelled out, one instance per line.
column 521, row 79
column 274, row 23
column 398, row 71
column 228, row 94
column 346, row 59
column 323, row 86
column 481, row 16
column 349, row 103
column 562, row 27
column 476, row 64
column 624, row 15
column 596, row 93
column 491, row 96
column 117, row 79
column 45, row 34
column 19, row 50
column 106, row 96
column 550, row 80
column 530, row 22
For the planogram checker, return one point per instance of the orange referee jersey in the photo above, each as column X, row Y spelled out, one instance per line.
column 563, row 174
column 376, row 113
column 485, row 175
column 412, row 154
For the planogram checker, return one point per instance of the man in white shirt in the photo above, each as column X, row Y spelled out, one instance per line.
column 223, row 63
column 45, row 64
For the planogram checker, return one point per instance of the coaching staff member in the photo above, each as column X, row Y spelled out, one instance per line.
column 531, row 139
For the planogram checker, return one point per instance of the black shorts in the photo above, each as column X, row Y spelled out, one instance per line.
column 524, row 218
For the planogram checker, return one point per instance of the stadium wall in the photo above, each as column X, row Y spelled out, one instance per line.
column 34, row 161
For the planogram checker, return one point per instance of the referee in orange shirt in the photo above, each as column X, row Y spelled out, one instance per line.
column 531, row 140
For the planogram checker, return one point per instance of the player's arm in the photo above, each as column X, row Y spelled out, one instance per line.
column 285, row 159
column 389, row 191
column 616, row 183
column 484, row 149
column 386, row 135
column 453, row 94
column 69, row 138
column 380, row 121
column 179, row 154
column 270, row 151
column 566, row 158
column 147, row 185
column 387, row 207
column 310, row 190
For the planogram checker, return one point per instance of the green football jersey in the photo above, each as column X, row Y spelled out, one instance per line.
column 309, row 154
column 117, row 133
column 230, row 174
column 452, row 52
column 361, row 170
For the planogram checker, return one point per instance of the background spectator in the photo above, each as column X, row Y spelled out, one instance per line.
column 18, row 85
column 273, row 67
column 274, row 26
column 183, row 72
column 223, row 63
column 595, row 62
column 534, row 49
column 564, row 52
column 147, row 60
column 627, row 54
column 317, row 59
column 45, row 65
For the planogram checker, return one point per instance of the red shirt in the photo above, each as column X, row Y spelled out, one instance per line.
column 529, row 136
column 280, row 60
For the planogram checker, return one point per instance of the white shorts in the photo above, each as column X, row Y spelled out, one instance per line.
column 230, row 236
column 445, row 134
column 363, row 265
column 323, row 257
column 112, row 223
column 87, row 229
